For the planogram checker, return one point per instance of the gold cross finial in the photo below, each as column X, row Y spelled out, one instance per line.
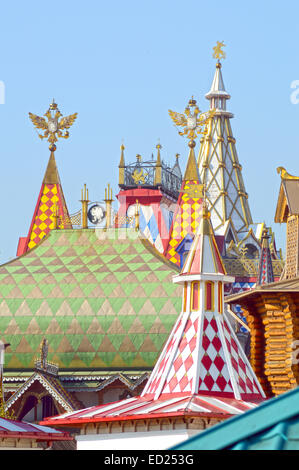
column 218, row 52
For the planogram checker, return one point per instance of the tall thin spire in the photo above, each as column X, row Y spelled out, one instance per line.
column 219, row 166
column 121, row 166
column 51, row 205
column 265, row 274
column 158, row 169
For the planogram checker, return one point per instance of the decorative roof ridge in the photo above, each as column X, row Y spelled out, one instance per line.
column 47, row 384
column 131, row 384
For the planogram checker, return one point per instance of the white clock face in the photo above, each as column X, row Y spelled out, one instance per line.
column 96, row 214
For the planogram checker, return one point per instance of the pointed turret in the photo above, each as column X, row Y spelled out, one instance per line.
column 121, row 166
column 219, row 167
column 265, row 275
column 50, row 203
column 158, row 169
column 202, row 355
column 187, row 215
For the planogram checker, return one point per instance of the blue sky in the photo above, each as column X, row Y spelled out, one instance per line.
column 121, row 65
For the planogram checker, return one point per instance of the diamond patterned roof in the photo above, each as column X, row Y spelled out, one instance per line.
column 101, row 301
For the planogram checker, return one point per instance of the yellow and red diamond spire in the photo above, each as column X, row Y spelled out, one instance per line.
column 187, row 215
column 51, row 202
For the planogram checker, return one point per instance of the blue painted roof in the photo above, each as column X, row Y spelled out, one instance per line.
column 273, row 425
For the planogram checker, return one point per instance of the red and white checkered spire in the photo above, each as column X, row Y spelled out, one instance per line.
column 203, row 355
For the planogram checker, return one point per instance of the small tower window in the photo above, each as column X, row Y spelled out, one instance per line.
column 220, row 297
column 209, row 295
column 185, row 297
column 195, row 295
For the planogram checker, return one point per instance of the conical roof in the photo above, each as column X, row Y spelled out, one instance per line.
column 204, row 256
column 50, row 201
column 203, row 354
column 217, row 87
column 265, row 274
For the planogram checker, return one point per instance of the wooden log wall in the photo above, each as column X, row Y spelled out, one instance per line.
column 273, row 319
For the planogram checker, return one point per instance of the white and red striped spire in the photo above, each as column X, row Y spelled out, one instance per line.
column 202, row 355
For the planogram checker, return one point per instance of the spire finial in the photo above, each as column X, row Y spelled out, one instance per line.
column 158, row 147
column 84, row 201
column 158, row 170
column 219, row 53
column 108, row 200
column 53, row 127
column 192, row 121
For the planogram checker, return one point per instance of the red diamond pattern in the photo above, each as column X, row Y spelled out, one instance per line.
column 155, row 381
column 197, row 352
column 244, row 376
column 184, row 362
column 214, row 374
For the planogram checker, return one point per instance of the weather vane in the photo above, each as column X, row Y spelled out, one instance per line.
column 192, row 122
column 218, row 52
column 53, row 127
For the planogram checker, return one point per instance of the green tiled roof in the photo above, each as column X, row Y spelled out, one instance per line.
column 273, row 425
column 102, row 299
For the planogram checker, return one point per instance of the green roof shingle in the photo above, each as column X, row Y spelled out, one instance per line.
column 102, row 301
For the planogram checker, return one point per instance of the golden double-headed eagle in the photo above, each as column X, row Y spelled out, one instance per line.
column 193, row 123
column 53, row 127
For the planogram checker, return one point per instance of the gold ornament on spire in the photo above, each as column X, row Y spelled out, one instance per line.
column 285, row 175
column 53, row 127
column 218, row 52
column 192, row 122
